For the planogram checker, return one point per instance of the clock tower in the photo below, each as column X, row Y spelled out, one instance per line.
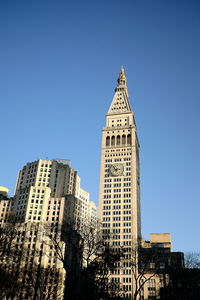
column 119, row 196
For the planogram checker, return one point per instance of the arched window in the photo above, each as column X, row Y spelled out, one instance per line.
column 107, row 141
column 118, row 140
column 123, row 139
column 129, row 139
column 113, row 140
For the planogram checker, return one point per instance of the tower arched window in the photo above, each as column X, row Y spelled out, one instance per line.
column 107, row 141
column 113, row 140
column 129, row 139
column 118, row 140
column 123, row 139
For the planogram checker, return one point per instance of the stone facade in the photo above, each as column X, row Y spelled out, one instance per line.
column 47, row 207
column 119, row 197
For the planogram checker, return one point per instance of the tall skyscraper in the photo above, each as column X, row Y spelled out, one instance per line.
column 48, row 204
column 119, row 197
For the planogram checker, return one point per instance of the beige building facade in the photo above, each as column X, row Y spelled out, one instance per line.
column 42, row 180
column 48, row 199
column 5, row 205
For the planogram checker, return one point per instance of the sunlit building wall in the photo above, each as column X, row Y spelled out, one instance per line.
column 41, row 207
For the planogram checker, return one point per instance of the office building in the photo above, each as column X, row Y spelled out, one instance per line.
column 45, row 192
column 119, row 197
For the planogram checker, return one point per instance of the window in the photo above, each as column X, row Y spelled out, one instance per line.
column 126, row 236
column 116, row 218
column 127, row 230
column 116, row 206
column 116, row 225
column 152, row 266
column 117, row 190
column 107, row 141
column 128, row 218
column 162, row 265
column 118, row 140
column 129, row 140
column 107, row 191
column 106, row 207
column 127, row 179
column 151, row 289
column 117, row 179
column 117, row 196
column 116, row 201
column 113, row 140
column 123, row 139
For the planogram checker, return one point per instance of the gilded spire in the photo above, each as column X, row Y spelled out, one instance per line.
column 122, row 77
column 120, row 103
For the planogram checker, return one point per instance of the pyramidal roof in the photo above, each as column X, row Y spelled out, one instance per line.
column 120, row 103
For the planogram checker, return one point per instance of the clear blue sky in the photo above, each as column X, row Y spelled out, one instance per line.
column 59, row 61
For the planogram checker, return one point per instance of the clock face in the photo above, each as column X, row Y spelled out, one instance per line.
column 117, row 169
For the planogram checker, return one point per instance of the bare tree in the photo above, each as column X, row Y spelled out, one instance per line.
column 66, row 244
column 192, row 260
column 100, row 260
column 144, row 266
column 42, row 283
column 8, row 234
column 96, row 276
column 10, row 284
column 92, row 244
column 148, row 264
column 87, row 259
column 10, row 259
